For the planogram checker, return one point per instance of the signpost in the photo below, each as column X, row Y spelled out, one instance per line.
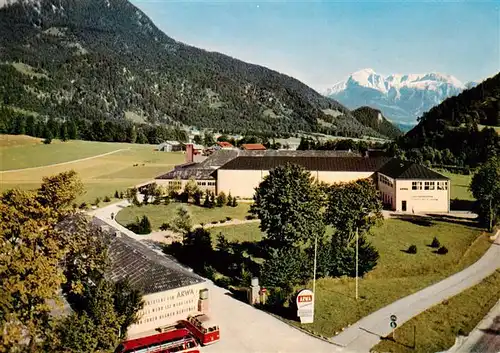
column 305, row 306
column 393, row 325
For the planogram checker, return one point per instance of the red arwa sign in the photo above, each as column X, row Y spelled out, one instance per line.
column 305, row 306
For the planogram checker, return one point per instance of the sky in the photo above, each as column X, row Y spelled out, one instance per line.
column 323, row 42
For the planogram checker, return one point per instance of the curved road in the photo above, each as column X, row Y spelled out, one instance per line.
column 244, row 329
column 251, row 330
column 62, row 163
column 364, row 334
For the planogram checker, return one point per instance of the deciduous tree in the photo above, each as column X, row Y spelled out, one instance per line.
column 352, row 206
column 485, row 186
column 288, row 205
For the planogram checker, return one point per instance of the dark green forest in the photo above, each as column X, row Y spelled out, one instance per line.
column 460, row 131
column 84, row 61
column 370, row 117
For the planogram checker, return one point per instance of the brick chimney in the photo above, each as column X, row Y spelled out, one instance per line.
column 189, row 153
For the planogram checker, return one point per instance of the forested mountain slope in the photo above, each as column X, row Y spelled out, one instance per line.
column 461, row 130
column 105, row 60
column 376, row 120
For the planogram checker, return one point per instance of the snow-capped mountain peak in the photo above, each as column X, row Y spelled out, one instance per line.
column 401, row 97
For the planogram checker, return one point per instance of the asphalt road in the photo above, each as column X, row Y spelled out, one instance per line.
column 490, row 340
column 485, row 338
column 367, row 332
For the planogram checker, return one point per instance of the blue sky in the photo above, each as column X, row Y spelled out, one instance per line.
column 322, row 42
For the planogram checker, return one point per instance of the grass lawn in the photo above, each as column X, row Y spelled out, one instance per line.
column 241, row 233
column 101, row 176
column 397, row 274
column 459, row 186
column 437, row 327
column 159, row 214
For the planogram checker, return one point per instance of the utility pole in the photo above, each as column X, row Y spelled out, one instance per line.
column 357, row 241
column 314, row 274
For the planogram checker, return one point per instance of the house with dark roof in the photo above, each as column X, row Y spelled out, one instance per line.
column 404, row 186
column 409, row 187
column 170, row 291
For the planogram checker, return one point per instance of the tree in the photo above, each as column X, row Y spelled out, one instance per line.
column 76, row 333
column 221, row 199
column 206, row 202
column 145, row 225
column 352, row 206
column 33, row 248
column 190, row 188
column 288, row 205
column 485, row 186
column 208, row 139
column 234, row 202
column 72, row 130
column 284, row 268
column 63, row 133
column 60, row 191
column 229, row 200
column 198, row 139
column 48, row 138
column 195, row 242
column 212, row 200
column 128, row 301
column 182, row 222
column 197, row 197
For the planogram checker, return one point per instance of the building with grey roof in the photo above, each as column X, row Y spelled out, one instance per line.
column 239, row 172
column 170, row 291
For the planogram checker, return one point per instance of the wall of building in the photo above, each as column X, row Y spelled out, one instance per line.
column 242, row 183
column 203, row 184
column 166, row 308
column 387, row 188
column 435, row 199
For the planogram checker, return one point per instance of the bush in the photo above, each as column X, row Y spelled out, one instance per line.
column 228, row 218
column 47, row 141
column 165, row 226
column 223, row 282
column 442, row 250
column 202, row 225
column 106, row 199
column 412, row 249
column 121, row 195
column 215, row 222
column 235, row 203
column 250, row 217
column 222, row 221
column 97, row 201
column 83, row 205
column 435, row 243
column 117, row 195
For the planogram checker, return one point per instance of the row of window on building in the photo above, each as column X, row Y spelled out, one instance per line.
column 386, row 181
column 429, row 185
column 167, row 315
column 175, row 182
column 206, row 183
column 387, row 199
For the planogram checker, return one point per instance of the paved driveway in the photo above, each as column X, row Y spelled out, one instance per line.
column 245, row 329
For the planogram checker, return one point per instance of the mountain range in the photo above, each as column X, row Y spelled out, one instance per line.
column 401, row 98
column 105, row 60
